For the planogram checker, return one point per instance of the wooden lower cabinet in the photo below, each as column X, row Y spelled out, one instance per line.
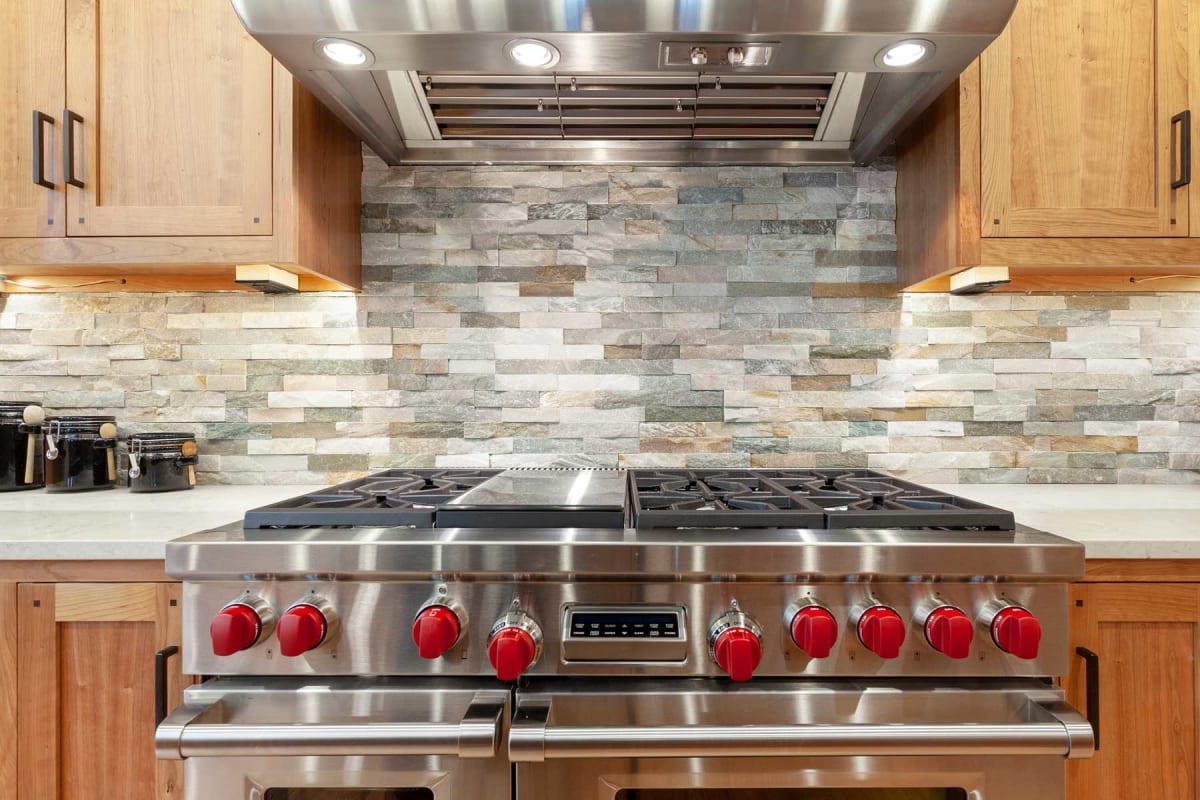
column 1147, row 636
column 85, row 690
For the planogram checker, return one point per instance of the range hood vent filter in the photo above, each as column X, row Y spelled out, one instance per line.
column 695, row 106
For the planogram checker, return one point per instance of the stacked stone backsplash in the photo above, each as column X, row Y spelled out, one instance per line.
column 706, row 317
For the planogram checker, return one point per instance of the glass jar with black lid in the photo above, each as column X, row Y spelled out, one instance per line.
column 20, row 445
column 159, row 462
column 78, row 457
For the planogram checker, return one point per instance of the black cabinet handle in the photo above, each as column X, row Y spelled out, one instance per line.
column 1184, row 120
column 39, row 149
column 160, row 682
column 69, row 120
column 1092, row 668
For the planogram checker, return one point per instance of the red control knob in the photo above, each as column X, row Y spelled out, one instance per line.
column 435, row 630
column 511, row 651
column 235, row 628
column 814, row 630
column 301, row 628
column 1017, row 632
column 881, row 631
column 950, row 631
column 739, row 652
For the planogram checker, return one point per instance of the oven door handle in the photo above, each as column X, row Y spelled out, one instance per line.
column 185, row 733
column 1057, row 730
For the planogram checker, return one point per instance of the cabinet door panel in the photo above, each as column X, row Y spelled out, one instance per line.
column 1077, row 138
column 31, row 79
column 1147, row 637
column 176, row 131
column 86, row 705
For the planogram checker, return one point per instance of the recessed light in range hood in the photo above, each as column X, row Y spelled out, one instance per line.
column 626, row 81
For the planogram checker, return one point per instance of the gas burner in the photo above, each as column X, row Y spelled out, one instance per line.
column 396, row 497
column 817, row 498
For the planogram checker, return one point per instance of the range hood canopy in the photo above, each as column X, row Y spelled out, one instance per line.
column 626, row 81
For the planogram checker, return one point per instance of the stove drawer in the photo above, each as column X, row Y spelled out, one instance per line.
column 343, row 738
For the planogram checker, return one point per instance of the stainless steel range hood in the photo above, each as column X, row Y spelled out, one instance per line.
column 626, row 81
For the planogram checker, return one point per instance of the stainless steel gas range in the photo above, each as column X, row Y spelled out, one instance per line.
column 654, row 635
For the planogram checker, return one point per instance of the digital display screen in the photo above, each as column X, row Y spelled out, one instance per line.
column 617, row 625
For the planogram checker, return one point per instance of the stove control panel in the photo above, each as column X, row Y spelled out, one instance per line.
column 624, row 633
column 732, row 630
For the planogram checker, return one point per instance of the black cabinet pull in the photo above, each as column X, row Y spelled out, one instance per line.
column 39, row 149
column 1184, row 120
column 69, row 120
column 1092, row 668
column 160, row 682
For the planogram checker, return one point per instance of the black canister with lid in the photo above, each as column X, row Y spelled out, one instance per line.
column 20, row 446
column 78, row 458
column 159, row 462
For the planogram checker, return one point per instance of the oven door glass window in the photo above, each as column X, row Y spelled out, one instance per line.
column 348, row 794
column 792, row 794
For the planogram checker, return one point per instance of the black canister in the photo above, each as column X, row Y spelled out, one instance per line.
column 20, row 445
column 160, row 462
column 78, row 457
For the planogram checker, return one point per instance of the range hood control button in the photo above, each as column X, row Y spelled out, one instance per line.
column 949, row 631
column 814, row 630
column 1017, row 632
column 235, row 628
column 435, row 630
column 302, row 628
column 881, row 631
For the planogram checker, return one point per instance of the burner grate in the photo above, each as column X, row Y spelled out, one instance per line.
column 817, row 498
column 394, row 497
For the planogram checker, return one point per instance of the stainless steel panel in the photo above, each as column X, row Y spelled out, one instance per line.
column 375, row 640
column 802, row 556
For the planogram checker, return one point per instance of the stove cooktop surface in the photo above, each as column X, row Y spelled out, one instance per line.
column 395, row 497
column 799, row 498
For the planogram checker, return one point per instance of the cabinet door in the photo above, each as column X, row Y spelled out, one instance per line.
column 175, row 136
column 86, row 705
column 1077, row 137
column 31, row 79
column 1147, row 637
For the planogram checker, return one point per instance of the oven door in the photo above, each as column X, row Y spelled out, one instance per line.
column 341, row 739
column 785, row 740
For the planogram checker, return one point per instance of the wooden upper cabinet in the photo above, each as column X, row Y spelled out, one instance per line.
column 1077, row 138
column 31, row 42
column 175, row 137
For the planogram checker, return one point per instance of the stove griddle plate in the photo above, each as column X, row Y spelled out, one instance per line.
column 809, row 498
column 394, row 497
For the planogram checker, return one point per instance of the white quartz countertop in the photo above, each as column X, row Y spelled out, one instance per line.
column 1111, row 521
column 118, row 524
